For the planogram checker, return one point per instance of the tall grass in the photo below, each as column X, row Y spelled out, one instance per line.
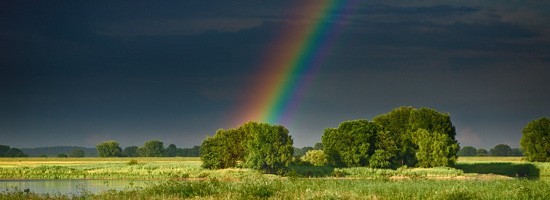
column 265, row 188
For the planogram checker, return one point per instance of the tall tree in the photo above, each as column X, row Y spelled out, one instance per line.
column 152, row 148
column 467, row 151
column 171, row 151
column 501, row 150
column 109, row 148
column 351, row 144
column 269, row 147
column 482, row 152
column 3, row 150
column 77, row 153
column 131, row 151
column 535, row 141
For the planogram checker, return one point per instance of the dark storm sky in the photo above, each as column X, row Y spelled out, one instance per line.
column 79, row 73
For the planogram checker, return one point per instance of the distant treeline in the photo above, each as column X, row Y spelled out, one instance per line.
column 498, row 150
column 151, row 148
column 7, row 151
column 59, row 150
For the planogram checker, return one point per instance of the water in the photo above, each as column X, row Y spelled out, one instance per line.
column 71, row 187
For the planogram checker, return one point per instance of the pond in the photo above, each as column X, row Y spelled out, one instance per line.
column 71, row 187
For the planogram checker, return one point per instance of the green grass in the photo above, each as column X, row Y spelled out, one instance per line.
column 473, row 178
column 265, row 188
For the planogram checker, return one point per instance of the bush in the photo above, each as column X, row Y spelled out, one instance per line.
column 315, row 157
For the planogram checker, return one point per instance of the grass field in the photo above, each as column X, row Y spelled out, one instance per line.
column 473, row 178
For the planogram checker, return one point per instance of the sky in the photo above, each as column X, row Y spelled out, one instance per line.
column 82, row 72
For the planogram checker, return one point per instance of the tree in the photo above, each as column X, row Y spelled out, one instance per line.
column 435, row 149
column 3, row 150
column 516, row 152
column 351, row 144
column 15, row 152
column 501, row 150
column 268, row 148
column 77, row 153
column 481, row 152
column 171, row 151
column 131, row 151
column 535, row 141
column 315, row 157
column 152, row 148
column 62, row 155
column 318, row 146
column 406, row 130
column 109, row 149
column 467, row 151
column 224, row 149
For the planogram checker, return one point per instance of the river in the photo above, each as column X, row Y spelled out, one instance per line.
column 71, row 187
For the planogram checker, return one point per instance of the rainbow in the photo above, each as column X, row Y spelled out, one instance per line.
column 292, row 61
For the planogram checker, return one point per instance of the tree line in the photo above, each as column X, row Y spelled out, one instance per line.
column 7, row 151
column 151, row 148
column 498, row 150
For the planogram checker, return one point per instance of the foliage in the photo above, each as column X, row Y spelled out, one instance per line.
column 224, row 149
column 77, row 153
column 351, row 144
column 482, row 152
column 535, row 141
column 62, row 155
column 268, row 148
column 257, row 145
column 315, row 157
column 501, row 150
column 131, row 151
column 404, row 136
column 6, row 151
column 434, row 149
column 109, row 148
column 152, row 148
column 189, row 152
column 171, row 151
column 467, row 151
column 299, row 152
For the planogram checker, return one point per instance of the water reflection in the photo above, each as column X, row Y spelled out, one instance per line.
column 71, row 187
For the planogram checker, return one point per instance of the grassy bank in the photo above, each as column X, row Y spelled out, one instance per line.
column 189, row 168
column 262, row 188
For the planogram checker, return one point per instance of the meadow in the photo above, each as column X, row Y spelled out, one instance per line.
column 472, row 178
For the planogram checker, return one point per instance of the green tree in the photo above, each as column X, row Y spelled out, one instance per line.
column 535, row 141
column 15, row 152
column 501, row 150
column 152, row 148
column 3, row 150
column 109, row 148
column 315, row 157
column 351, row 144
column 131, row 151
column 268, row 148
column 467, row 151
column 77, row 153
column 395, row 138
column 516, row 152
column 171, row 151
column 482, row 152
column 224, row 149
column 401, row 135
column 62, row 155
column 318, row 146
column 435, row 149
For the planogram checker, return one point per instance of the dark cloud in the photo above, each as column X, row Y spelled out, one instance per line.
column 175, row 70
